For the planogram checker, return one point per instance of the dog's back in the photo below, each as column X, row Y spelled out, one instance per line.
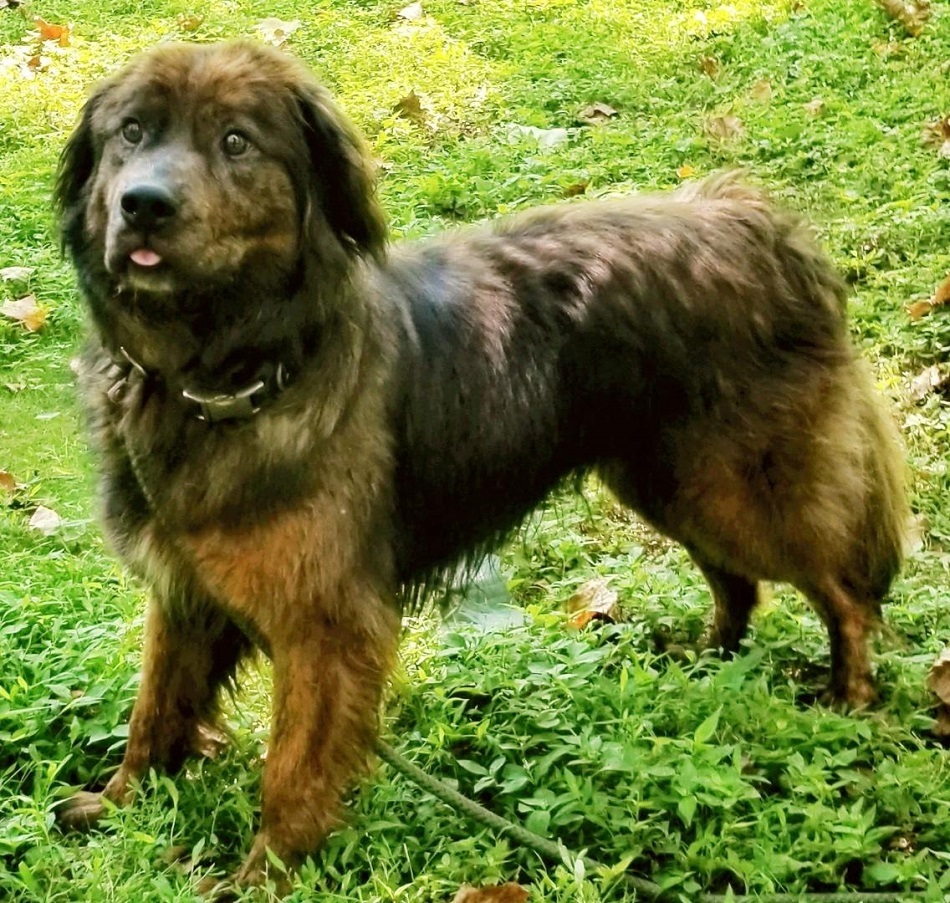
column 693, row 347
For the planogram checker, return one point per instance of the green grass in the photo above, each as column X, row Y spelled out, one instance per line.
column 699, row 774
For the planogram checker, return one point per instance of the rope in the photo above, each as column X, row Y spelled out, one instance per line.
column 555, row 852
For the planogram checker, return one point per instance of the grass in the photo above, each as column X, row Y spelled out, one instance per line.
column 700, row 774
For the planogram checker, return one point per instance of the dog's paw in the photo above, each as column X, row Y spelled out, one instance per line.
column 852, row 696
column 261, row 868
column 82, row 811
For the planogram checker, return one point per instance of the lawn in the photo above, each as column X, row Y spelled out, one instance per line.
column 618, row 740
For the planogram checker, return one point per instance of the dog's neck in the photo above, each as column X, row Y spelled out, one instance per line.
column 232, row 400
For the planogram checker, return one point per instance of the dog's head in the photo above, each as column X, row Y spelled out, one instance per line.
column 202, row 165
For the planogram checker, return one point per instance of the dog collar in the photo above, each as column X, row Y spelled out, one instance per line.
column 214, row 407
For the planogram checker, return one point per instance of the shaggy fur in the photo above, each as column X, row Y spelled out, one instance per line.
column 691, row 348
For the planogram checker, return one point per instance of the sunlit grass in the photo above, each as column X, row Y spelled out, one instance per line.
column 595, row 738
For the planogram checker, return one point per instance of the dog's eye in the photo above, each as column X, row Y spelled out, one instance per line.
column 235, row 144
column 132, row 131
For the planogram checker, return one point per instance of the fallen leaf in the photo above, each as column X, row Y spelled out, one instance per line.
column 503, row 893
column 190, row 22
column 210, row 742
column 938, row 680
column 762, row 91
column 937, row 134
column 411, row 13
column 594, row 600
column 276, row 31
column 902, row 844
column 941, row 297
column 815, row 107
column 919, row 309
column 7, row 482
column 686, row 171
column 45, row 520
column 26, row 311
column 597, row 113
column 546, row 138
column 912, row 14
column 724, row 128
column 16, row 274
column 941, row 727
column 934, row 379
column 50, row 32
column 709, row 66
column 942, row 294
column 572, row 191
column 410, row 107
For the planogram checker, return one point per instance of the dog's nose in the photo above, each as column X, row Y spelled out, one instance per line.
column 148, row 206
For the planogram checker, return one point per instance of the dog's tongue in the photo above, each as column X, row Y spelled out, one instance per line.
column 145, row 258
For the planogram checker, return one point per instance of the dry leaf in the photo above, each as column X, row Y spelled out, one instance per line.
column 50, row 32
column 939, row 678
column 937, row 134
column 941, row 726
column 919, row 309
column 686, row 171
column 724, row 128
column 709, row 66
column 934, row 379
column 815, row 107
column 45, row 520
column 912, row 14
column 939, row 683
column 7, row 482
column 190, row 23
column 597, row 113
column 762, row 91
column 16, row 274
column 26, row 311
column 411, row 13
column 210, row 742
column 410, row 107
column 941, row 297
column 276, row 31
column 503, row 893
column 595, row 600
column 572, row 191
column 942, row 294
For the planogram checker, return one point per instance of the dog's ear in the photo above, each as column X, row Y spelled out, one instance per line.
column 77, row 163
column 342, row 173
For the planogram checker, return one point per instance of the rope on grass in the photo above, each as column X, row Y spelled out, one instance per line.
column 553, row 852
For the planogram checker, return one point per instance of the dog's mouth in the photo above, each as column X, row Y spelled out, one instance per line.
column 139, row 266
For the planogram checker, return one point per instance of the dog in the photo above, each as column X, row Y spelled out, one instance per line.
column 301, row 427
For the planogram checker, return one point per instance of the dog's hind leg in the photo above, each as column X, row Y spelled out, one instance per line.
column 735, row 598
column 190, row 653
column 850, row 620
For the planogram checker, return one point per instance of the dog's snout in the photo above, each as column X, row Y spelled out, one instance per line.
column 148, row 206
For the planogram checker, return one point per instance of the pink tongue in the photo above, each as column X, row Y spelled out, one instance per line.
column 145, row 258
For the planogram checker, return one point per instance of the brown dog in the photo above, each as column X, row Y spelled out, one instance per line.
column 297, row 430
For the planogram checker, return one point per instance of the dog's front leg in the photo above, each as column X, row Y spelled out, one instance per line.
column 191, row 649
column 328, row 682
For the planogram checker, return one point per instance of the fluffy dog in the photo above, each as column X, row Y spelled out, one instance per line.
column 299, row 427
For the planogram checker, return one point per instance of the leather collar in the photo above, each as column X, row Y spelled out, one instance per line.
column 271, row 378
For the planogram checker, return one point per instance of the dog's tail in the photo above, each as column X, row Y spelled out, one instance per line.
column 887, row 520
column 729, row 184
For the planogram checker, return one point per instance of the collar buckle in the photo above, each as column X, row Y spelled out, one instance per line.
column 216, row 407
